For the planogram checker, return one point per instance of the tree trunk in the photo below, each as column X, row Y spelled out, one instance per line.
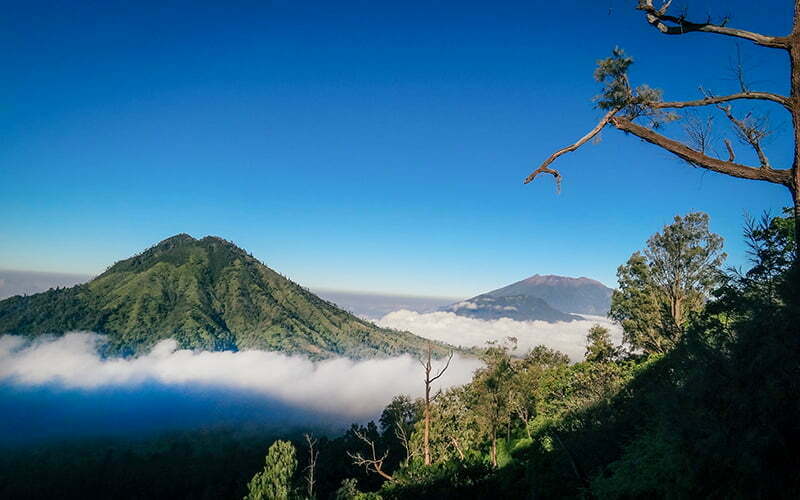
column 794, row 58
column 458, row 447
column 494, row 448
column 426, row 434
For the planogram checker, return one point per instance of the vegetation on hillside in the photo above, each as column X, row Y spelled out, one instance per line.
column 206, row 294
column 713, row 414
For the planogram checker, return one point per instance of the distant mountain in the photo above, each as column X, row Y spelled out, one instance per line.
column 30, row 282
column 539, row 298
column 573, row 295
column 517, row 307
column 206, row 294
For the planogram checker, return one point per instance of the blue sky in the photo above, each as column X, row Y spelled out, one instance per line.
column 357, row 146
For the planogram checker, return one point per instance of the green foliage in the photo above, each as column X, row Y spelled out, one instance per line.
column 491, row 399
column 613, row 73
column 454, row 429
column 397, row 423
column 451, row 479
column 715, row 416
column 349, row 491
column 660, row 290
column 617, row 93
column 206, row 294
column 275, row 481
column 599, row 348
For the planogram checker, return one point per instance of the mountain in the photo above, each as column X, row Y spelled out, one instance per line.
column 539, row 298
column 573, row 295
column 206, row 294
column 517, row 307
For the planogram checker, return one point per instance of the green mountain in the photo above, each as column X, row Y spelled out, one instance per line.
column 206, row 294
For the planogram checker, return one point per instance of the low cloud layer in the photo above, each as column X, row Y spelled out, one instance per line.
column 59, row 387
column 340, row 388
column 567, row 337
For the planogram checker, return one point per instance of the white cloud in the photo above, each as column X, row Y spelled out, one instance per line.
column 342, row 387
column 567, row 337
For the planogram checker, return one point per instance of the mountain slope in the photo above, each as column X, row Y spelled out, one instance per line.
column 516, row 307
column 206, row 294
column 574, row 295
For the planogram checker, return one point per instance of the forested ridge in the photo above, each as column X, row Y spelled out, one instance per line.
column 205, row 294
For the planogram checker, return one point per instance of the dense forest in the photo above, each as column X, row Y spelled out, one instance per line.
column 699, row 401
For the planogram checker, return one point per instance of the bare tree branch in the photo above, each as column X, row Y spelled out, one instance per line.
column 699, row 159
column 310, row 469
column 572, row 147
column 678, row 25
column 731, row 154
column 402, row 435
column 750, row 133
column 765, row 96
column 698, row 131
column 373, row 464
column 426, row 448
column 441, row 371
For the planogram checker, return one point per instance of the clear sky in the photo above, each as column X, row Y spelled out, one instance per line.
column 352, row 145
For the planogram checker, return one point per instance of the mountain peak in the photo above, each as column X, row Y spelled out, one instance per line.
column 570, row 295
column 205, row 294
column 175, row 240
column 553, row 279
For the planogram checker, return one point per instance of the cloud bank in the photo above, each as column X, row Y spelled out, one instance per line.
column 567, row 337
column 339, row 387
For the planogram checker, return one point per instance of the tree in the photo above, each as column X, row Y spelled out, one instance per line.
column 492, row 385
column 313, row 456
column 453, row 431
column 624, row 105
column 275, row 481
column 397, row 424
column 426, row 365
column 525, row 381
column 371, row 461
column 671, row 280
column 599, row 348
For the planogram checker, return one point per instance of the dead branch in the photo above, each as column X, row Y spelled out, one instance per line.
column 699, row 132
column 457, row 447
column 765, row 96
column 678, row 25
column 543, row 168
column 373, row 464
column 750, row 132
column 426, row 448
column 731, row 154
column 402, row 435
column 684, row 152
column 441, row 371
column 312, row 465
